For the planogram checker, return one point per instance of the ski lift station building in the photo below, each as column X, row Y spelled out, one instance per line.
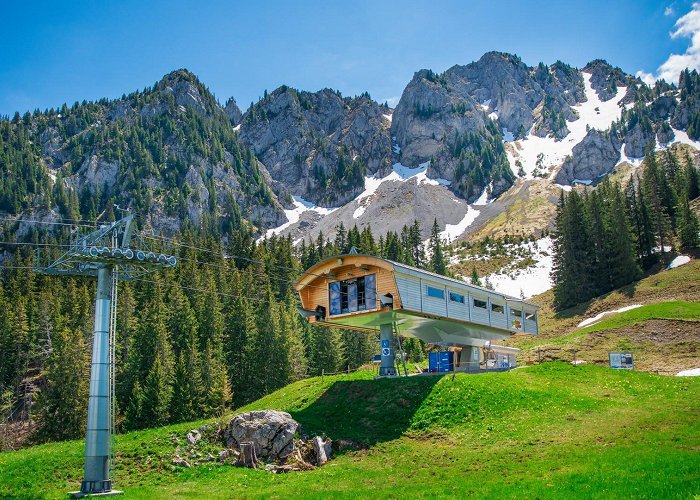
column 371, row 294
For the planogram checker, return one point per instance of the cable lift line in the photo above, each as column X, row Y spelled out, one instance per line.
column 106, row 253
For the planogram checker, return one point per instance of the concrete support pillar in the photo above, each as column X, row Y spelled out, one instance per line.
column 97, row 436
column 470, row 358
column 386, row 336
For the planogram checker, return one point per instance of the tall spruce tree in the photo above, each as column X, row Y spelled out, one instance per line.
column 438, row 263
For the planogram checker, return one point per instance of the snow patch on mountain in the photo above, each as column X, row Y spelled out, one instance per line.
column 293, row 214
column 399, row 173
column 682, row 137
column 635, row 162
column 483, row 199
column 530, row 281
column 537, row 155
column 679, row 261
column 453, row 231
column 598, row 317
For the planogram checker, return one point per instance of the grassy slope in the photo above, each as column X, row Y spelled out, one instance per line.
column 551, row 430
column 662, row 334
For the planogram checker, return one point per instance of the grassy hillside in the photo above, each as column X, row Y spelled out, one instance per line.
column 663, row 334
column 551, row 430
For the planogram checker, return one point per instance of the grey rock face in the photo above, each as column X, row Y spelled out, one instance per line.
column 605, row 79
column 233, row 111
column 301, row 136
column 98, row 173
column 434, row 109
column 637, row 139
column 271, row 432
column 593, row 157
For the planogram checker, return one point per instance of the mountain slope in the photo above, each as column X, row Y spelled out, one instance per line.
column 169, row 152
column 548, row 430
column 662, row 334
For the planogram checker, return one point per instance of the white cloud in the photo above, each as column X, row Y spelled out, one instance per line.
column 669, row 11
column 687, row 26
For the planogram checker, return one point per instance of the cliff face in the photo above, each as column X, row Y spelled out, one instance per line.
column 319, row 145
column 435, row 112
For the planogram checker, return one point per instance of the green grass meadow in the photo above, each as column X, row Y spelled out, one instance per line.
column 545, row 431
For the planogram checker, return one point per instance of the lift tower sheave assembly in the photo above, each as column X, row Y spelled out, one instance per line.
column 107, row 254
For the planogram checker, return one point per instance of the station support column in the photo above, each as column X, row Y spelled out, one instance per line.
column 386, row 336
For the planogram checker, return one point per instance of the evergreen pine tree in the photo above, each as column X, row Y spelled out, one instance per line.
column 438, row 263
column 687, row 225
column 63, row 404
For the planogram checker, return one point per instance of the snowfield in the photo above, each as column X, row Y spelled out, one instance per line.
column 598, row 317
column 635, row 162
column 453, row 231
column 694, row 372
column 293, row 215
column 543, row 153
column 679, row 261
column 530, row 281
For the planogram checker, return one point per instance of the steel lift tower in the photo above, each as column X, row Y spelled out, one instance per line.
column 107, row 254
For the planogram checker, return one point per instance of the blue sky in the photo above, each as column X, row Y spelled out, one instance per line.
column 56, row 52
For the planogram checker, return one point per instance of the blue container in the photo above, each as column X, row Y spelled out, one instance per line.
column 433, row 361
column 440, row 361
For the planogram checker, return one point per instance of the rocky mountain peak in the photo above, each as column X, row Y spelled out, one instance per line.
column 320, row 145
column 605, row 78
column 233, row 112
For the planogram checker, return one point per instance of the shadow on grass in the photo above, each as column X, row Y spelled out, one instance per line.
column 368, row 411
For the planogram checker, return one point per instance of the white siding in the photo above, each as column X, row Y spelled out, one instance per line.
column 498, row 319
column 458, row 310
column 531, row 324
column 433, row 305
column 478, row 314
column 409, row 292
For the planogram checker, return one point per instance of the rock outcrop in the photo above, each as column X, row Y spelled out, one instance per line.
column 319, row 145
column 593, row 157
column 271, row 432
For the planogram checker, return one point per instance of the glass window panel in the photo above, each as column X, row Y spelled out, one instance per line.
column 352, row 296
column 436, row 293
column 334, row 289
column 480, row 303
column 371, row 291
column 456, row 297
column 497, row 308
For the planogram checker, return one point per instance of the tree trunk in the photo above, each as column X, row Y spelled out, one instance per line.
column 247, row 458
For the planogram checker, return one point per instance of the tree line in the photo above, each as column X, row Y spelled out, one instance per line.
column 607, row 237
column 219, row 330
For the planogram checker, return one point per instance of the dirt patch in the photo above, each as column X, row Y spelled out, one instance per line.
column 660, row 331
column 660, row 346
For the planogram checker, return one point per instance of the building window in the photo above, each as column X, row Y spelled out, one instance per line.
column 456, row 297
column 436, row 293
column 517, row 319
column 497, row 308
column 481, row 304
column 530, row 316
column 356, row 294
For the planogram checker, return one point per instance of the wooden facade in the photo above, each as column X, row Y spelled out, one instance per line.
column 345, row 291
